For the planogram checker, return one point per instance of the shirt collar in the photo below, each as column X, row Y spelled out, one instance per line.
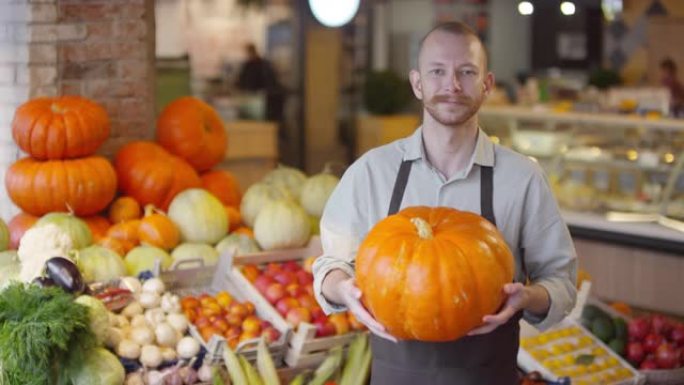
column 483, row 154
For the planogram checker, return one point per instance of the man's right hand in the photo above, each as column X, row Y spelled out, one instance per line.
column 343, row 290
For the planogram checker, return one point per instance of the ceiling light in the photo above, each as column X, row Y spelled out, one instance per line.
column 567, row 8
column 525, row 8
column 334, row 13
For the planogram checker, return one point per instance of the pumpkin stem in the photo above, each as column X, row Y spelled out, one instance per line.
column 424, row 229
column 151, row 209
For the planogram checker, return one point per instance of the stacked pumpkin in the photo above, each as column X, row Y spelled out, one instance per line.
column 61, row 173
column 188, row 206
column 285, row 207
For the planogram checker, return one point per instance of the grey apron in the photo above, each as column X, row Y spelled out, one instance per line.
column 488, row 359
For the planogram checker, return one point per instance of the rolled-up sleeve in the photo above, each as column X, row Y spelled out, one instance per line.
column 549, row 253
column 343, row 226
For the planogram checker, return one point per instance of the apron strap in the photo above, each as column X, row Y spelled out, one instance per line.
column 399, row 187
column 487, row 193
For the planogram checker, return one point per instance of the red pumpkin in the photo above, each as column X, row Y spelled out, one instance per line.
column 223, row 185
column 151, row 175
column 60, row 128
column 193, row 130
column 431, row 274
column 84, row 186
column 18, row 226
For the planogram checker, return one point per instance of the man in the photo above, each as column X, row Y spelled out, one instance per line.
column 450, row 162
column 257, row 74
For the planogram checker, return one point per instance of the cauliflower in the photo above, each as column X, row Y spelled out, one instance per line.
column 38, row 245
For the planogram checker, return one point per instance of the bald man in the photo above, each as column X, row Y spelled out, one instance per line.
column 450, row 161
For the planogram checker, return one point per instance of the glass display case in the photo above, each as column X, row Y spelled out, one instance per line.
column 616, row 175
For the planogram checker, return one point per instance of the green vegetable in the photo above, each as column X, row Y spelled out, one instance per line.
column 585, row 359
column 328, row 367
column 354, row 359
column 237, row 375
column 251, row 373
column 591, row 312
column 99, row 317
column 364, row 371
column 9, row 267
column 265, row 365
column 299, row 380
column 99, row 368
column 42, row 330
column 99, row 264
column 602, row 327
column 618, row 346
column 620, row 328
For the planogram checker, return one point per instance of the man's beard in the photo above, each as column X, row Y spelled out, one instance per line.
column 465, row 108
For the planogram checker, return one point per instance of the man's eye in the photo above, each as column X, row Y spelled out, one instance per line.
column 437, row 71
column 469, row 72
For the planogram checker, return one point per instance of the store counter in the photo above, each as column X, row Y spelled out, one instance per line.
column 252, row 150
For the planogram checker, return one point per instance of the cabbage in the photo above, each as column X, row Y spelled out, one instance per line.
column 99, row 264
column 99, row 317
column 99, row 368
column 9, row 267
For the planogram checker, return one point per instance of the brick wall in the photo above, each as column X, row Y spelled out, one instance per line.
column 102, row 49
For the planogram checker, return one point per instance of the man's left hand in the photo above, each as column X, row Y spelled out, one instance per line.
column 518, row 299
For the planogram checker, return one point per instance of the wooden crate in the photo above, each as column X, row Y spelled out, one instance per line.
column 304, row 349
column 191, row 277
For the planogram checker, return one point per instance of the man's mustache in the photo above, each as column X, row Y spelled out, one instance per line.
column 460, row 99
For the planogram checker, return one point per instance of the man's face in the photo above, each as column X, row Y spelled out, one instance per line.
column 452, row 79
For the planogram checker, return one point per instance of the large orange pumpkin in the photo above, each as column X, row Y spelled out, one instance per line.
column 18, row 226
column 82, row 186
column 223, row 185
column 431, row 274
column 193, row 130
column 156, row 229
column 151, row 175
column 60, row 128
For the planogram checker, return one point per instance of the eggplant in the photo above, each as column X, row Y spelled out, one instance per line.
column 65, row 274
column 43, row 282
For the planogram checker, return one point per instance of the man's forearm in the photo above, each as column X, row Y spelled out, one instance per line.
column 539, row 301
column 330, row 284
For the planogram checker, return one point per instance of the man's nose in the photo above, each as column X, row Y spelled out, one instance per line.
column 454, row 82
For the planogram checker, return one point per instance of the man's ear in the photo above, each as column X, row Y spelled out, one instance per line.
column 489, row 83
column 414, row 78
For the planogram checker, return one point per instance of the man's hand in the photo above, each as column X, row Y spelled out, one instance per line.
column 533, row 298
column 338, row 287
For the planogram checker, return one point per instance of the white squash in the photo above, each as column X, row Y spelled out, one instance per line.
column 142, row 258
column 4, row 236
column 99, row 264
column 238, row 244
column 316, row 191
column 256, row 197
column 282, row 224
column 289, row 178
column 199, row 215
column 202, row 251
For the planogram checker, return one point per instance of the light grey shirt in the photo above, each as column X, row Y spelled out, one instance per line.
column 525, row 210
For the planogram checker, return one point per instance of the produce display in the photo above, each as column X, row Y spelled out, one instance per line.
column 419, row 293
column 655, row 342
column 223, row 316
column 288, row 286
column 570, row 351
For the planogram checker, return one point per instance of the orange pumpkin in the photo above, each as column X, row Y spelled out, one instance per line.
column 150, row 175
column 245, row 230
column 83, row 186
column 156, row 229
column 125, row 231
column 193, row 130
column 124, row 209
column 119, row 246
column 431, row 274
column 60, row 128
column 18, row 226
column 98, row 226
column 223, row 185
column 234, row 218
